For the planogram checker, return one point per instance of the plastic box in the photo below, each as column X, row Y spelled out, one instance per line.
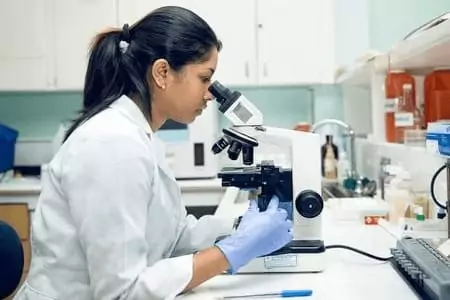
column 8, row 138
column 362, row 210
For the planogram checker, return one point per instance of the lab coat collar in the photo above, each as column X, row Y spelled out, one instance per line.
column 133, row 112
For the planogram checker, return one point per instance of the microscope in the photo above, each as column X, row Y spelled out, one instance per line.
column 298, row 186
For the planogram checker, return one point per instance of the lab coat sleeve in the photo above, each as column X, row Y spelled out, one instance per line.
column 201, row 233
column 107, row 182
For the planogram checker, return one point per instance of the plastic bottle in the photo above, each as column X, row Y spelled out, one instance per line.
column 394, row 81
column 406, row 114
column 343, row 168
column 330, row 157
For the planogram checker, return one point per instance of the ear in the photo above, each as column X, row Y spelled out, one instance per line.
column 160, row 72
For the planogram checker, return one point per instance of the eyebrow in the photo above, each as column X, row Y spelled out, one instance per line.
column 212, row 70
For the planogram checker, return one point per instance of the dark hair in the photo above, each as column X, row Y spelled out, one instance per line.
column 173, row 33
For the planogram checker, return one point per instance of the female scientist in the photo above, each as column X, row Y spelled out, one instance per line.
column 110, row 222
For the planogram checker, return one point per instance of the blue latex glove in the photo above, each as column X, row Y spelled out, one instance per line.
column 288, row 207
column 258, row 234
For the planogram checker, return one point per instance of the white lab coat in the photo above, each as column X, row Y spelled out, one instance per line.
column 110, row 222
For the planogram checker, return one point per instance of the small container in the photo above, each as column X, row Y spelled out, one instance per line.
column 362, row 210
column 415, row 137
column 303, row 126
column 419, row 214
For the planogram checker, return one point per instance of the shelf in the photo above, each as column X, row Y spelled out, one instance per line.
column 357, row 75
column 429, row 50
column 418, row 55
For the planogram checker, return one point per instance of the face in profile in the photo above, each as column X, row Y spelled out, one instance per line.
column 186, row 92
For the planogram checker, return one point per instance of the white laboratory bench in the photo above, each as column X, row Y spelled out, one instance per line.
column 196, row 192
column 348, row 275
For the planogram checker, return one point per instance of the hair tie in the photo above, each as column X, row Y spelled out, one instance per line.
column 124, row 38
column 126, row 33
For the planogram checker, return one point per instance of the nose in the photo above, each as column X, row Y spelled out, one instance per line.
column 208, row 96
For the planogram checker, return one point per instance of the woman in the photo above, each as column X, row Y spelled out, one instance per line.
column 110, row 223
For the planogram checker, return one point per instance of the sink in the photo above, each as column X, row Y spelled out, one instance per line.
column 335, row 190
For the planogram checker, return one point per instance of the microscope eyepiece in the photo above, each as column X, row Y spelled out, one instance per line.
column 224, row 96
column 221, row 93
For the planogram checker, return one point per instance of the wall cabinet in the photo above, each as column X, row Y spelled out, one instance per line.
column 47, row 43
column 295, row 42
column 284, row 42
column 24, row 50
column 75, row 24
column 234, row 27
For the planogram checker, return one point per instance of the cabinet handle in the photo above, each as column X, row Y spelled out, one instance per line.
column 265, row 70
column 246, row 70
column 52, row 82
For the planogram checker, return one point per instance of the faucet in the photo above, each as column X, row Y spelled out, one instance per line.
column 349, row 133
column 384, row 161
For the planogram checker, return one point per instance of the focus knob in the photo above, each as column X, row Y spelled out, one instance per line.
column 309, row 204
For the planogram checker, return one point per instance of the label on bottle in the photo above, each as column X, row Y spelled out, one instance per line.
column 390, row 105
column 404, row 119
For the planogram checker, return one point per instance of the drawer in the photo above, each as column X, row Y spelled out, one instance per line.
column 17, row 216
column 26, row 255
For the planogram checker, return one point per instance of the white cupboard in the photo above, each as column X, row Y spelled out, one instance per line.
column 283, row 42
column 76, row 22
column 24, row 45
column 295, row 42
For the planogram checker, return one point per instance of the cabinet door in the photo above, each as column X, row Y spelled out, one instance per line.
column 23, row 51
column 131, row 11
column 234, row 23
column 76, row 22
column 295, row 41
column 234, row 27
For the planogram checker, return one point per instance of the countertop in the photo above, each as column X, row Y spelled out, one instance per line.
column 195, row 192
column 20, row 186
column 348, row 275
column 32, row 185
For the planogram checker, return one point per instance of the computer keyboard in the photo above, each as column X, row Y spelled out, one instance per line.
column 425, row 267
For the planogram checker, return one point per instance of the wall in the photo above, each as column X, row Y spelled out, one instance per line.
column 391, row 20
column 351, row 28
column 38, row 115
column 420, row 164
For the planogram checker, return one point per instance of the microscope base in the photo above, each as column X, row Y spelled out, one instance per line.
column 299, row 256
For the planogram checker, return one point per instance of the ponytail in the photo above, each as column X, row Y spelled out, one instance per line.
column 110, row 74
column 119, row 59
